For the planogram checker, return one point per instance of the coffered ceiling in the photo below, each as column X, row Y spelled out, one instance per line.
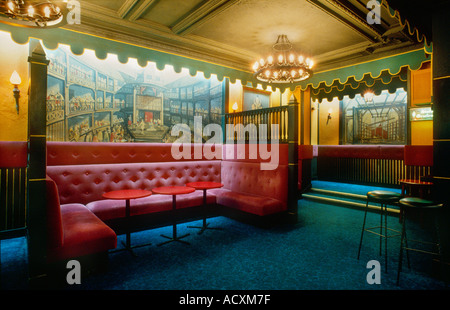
column 234, row 33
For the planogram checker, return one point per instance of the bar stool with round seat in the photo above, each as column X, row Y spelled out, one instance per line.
column 426, row 207
column 384, row 198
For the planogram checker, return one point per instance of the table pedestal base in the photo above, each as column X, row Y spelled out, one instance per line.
column 204, row 227
column 174, row 238
column 127, row 243
column 129, row 248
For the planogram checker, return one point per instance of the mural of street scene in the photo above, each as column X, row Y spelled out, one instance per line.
column 93, row 100
column 375, row 119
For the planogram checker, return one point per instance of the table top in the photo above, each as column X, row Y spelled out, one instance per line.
column 204, row 185
column 173, row 190
column 127, row 194
column 416, row 182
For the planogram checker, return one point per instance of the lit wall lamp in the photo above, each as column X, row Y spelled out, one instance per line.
column 368, row 96
column 329, row 115
column 16, row 81
column 235, row 107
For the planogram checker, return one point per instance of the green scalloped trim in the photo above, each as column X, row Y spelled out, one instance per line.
column 78, row 42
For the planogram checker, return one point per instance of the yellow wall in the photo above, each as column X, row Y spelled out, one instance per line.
column 329, row 133
column 236, row 95
column 421, row 93
column 422, row 133
column 306, row 120
column 13, row 126
column 314, row 122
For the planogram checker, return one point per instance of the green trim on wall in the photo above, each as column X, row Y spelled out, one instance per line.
column 393, row 65
column 385, row 81
column 78, row 42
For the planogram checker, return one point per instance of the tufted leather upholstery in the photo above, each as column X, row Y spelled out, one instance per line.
column 84, row 171
column 13, row 154
column 81, row 153
column 87, row 183
column 66, row 237
column 253, row 190
column 252, row 153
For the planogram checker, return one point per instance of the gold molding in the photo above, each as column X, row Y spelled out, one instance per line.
column 126, row 7
column 141, row 10
column 441, row 178
column 441, row 77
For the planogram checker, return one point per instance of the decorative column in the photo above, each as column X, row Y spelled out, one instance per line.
column 37, row 117
column 293, row 159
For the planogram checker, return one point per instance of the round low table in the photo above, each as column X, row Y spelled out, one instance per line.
column 204, row 186
column 412, row 183
column 127, row 195
column 174, row 191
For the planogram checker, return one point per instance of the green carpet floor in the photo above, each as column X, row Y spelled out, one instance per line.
column 317, row 253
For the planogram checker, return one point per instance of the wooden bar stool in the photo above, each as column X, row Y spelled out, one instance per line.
column 383, row 198
column 426, row 207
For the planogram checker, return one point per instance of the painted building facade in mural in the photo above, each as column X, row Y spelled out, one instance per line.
column 375, row 119
column 92, row 100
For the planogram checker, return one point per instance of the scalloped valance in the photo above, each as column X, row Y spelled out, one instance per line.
column 351, row 88
column 78, row 42
column 375, row 68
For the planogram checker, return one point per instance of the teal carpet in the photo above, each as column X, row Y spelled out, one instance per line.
column 317, row 253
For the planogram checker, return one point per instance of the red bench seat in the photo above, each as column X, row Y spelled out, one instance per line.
column 83, row 172
column 250, row 189
column 73, row 230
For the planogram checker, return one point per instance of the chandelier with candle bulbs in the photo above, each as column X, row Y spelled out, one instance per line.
column 284, row 65
column 31, row 13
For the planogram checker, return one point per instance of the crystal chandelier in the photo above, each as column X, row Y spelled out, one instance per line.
column 31, row 13
column 284, row 65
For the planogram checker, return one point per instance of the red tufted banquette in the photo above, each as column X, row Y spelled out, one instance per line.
column 248, row 187
column 84, row 171
column 73, row 230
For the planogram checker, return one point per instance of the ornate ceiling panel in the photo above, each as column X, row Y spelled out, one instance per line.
column 233, row 32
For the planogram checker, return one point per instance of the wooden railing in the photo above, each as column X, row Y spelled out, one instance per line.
column 246, row 126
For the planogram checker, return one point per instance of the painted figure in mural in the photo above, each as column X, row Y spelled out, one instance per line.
column 84, row 95
column 256, row 104
column 142, row 126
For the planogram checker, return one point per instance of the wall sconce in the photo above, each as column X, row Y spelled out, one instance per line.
column 235, row 107
column 16, row 81
column 329, row 115
column 368, row 96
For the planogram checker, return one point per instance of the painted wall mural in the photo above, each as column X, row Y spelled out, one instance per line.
column 376, row 119
column 93, row 100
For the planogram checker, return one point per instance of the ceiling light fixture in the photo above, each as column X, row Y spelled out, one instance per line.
column 38, row 14
column 284, row 65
